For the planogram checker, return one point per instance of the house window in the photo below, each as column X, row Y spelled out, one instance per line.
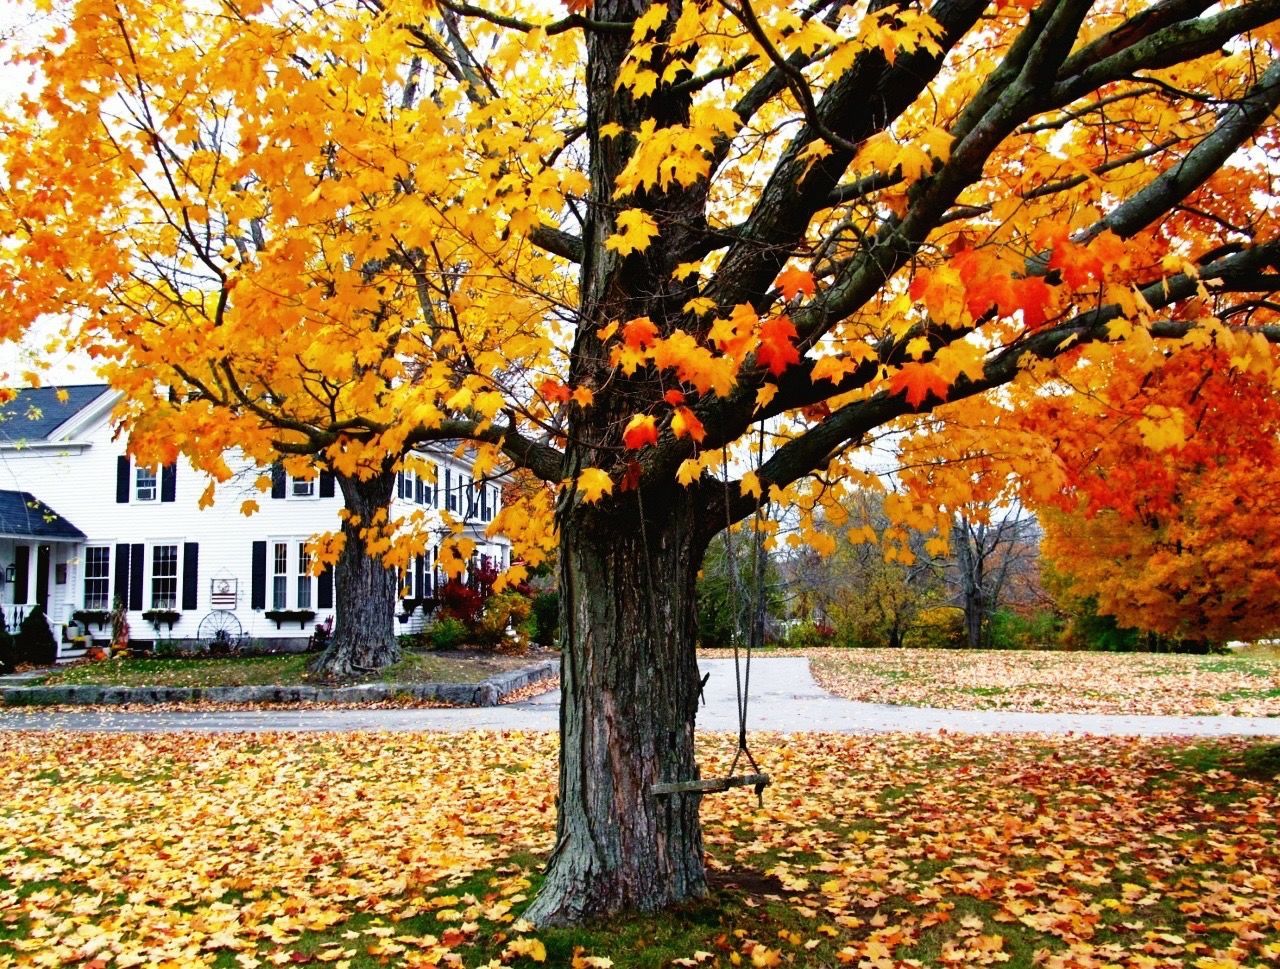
column 430, row 486
column 302, row 487
column 145, row 485
column 164, row 577
column 305, row 578
column 450, row 499
column 97, row 577
column 280, row 575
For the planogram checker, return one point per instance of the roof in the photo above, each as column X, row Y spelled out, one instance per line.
column 36, row 412
column 23, row 514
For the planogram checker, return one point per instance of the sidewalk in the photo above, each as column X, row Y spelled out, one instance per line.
column 783, row 698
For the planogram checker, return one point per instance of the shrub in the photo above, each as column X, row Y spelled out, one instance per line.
column 446, row 633
column 941, row 627
column 546, row 617
column 412, row 642
column 166, row 649
column 1014, row 630
column 36, row 644
column 499, row 612
column 462, row 602
column 809, row 635
column 8, row 648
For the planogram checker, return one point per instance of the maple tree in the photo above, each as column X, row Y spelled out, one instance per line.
column 1167, row 518
column 620, row 246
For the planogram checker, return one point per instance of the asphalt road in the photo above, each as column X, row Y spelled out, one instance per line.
column 783, row 697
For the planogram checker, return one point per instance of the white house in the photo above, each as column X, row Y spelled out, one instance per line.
column 82, row 526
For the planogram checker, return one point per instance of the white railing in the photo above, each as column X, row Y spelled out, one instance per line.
column 13, row 615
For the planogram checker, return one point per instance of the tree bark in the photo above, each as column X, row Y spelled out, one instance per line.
column 629, row 677
column 365, row 589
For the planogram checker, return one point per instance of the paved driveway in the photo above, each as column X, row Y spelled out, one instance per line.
column 784, row 697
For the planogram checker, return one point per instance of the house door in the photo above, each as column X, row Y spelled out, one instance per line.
column 43, row 556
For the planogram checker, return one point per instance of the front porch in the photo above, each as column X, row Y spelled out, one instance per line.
column 40, row 555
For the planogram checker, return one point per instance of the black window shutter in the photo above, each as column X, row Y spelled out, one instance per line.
column 326, row 484
column 122, row 479
column 137, row 559
column 122, row 575
column 169, row 482
column 420, row 576
column 258, row 585
column 450, row 504
column 484, row 503
column 277, row 482
column 190, row 574
column 22, row 568
column 417, row 491
column 324, row 596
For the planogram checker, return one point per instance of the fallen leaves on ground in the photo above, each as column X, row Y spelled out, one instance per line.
column 1058, row 682
column 420, row 850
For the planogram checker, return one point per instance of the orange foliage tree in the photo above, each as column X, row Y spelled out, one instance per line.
column 1168, row 514
column 611, row 246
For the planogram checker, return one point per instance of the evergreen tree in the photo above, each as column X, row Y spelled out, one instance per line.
column 36, row 644
column 8, row 649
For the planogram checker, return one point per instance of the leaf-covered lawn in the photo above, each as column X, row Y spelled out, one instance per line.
column 1062, row 682
column 286, row 670
column 420, row 850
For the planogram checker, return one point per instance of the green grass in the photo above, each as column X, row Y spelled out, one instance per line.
column 289, row 670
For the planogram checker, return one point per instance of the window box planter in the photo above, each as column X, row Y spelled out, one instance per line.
column 162, row 617
column 96, row 617
column 282, row 616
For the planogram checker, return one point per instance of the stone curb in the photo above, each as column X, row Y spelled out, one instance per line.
column 486, row 693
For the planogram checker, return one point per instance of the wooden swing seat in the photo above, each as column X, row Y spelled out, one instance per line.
column 711, row 785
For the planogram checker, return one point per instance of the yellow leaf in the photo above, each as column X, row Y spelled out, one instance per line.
column 636, row 229
column 765, row 394
column 700, row 305
column 248, row 507
column 690, row 470
column 594, row 482
column 765, row 958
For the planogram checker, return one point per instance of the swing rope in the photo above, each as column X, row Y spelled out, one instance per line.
column 741, row 671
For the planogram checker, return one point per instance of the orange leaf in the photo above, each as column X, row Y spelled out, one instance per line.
column 640, row 333
column 686, row 424
column 1033, row 296
column 554, row 391
column 919, row 380
column 641, row 430
column 674, row 398
column 792, row 281
column 776, row 350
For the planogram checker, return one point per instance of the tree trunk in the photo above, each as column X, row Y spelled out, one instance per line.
column 365, row 589
column 629, row 677
column 970, row 561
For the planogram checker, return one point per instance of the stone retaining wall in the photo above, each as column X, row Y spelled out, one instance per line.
column 486, row 693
